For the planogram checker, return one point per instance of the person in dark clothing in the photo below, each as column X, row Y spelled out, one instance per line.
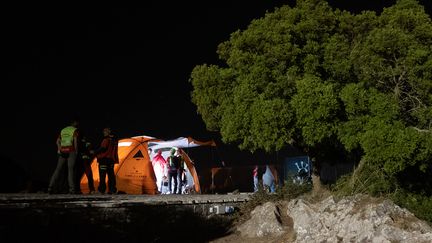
column 107, row 157
column 181, row 171
column 84, row 163
column 174, row 162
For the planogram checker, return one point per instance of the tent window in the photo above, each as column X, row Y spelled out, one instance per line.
column 138, row 154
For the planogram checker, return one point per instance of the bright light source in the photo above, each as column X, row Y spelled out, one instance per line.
column 124, row 144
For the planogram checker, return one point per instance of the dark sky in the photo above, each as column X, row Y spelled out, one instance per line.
column 127, row 67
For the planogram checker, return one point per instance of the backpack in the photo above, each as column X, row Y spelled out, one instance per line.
column 175, row 162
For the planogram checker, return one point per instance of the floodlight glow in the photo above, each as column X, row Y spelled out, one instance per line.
column 124, row 144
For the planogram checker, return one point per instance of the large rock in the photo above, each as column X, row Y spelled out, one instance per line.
column 265, row 221
column 356, row 219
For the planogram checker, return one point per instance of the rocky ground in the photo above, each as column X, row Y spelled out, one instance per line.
column 358, row 218
column 40, row 217
column 319, row 217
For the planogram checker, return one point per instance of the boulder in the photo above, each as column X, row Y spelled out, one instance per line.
column 265, row 221
column 355, row 219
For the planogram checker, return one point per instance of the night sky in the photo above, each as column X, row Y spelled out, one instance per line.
column 126, row 67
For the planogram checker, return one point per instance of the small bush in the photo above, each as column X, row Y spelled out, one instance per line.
column 369, row 179
column 419, row 205
column 366, row 179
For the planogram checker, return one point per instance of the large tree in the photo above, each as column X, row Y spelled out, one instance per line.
column 326, row 80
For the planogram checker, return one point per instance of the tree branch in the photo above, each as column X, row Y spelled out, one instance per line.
column 421, row 130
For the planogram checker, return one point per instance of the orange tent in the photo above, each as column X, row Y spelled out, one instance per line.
column 134, row 172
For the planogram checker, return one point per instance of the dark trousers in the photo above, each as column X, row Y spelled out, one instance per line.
column 89, row 174
column 180, row 180
column 105, row 169
column 172, row 175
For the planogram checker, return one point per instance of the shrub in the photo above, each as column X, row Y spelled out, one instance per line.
column 420, row 205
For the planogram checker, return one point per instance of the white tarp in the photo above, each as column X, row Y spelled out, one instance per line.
column 180, row 142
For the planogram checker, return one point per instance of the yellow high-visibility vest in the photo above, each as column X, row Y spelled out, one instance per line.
column 66, row 136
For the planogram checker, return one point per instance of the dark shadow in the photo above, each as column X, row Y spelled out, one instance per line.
column 168, row 223
column 416, row 181
column 14, row 177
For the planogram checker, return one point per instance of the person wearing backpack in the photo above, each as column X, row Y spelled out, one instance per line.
column 174, row 162
column 67, row 150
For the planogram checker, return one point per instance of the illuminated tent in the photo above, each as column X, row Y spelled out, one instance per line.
column 180, row 143
column 135, row 173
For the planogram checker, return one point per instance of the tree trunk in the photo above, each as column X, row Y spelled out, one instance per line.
column 317, row 185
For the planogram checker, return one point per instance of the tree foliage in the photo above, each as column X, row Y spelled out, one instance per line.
column 315, row 76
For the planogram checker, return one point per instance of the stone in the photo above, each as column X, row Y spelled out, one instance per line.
column 355, row 219
column 265, row 221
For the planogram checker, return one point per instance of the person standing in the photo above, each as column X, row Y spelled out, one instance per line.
column 67, row 150
column 173, row 168
column 107, row 157
column 255, row 178
column 85, row 158
column 269, row 180
column 160, row 169
column 181, row 171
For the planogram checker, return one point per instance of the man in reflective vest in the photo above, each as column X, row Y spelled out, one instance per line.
column 67, row 149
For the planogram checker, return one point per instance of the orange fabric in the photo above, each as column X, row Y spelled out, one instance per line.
column 192, row 170
column 135, row 174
